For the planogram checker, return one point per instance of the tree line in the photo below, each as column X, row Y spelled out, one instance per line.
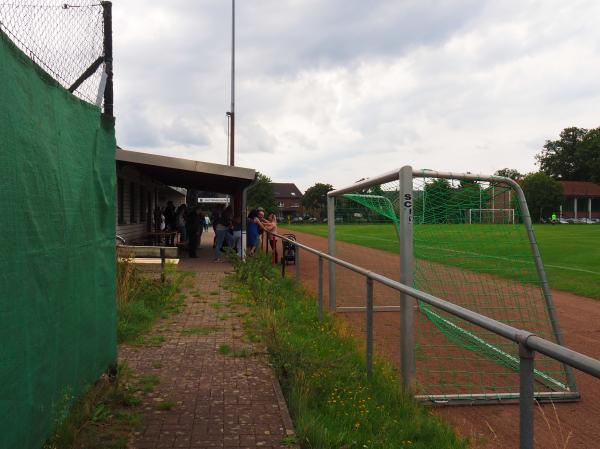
column 574, row 156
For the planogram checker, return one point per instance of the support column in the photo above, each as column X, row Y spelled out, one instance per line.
column 407, row 356
column 575, row 207
column 331, row 249
column 590, row 208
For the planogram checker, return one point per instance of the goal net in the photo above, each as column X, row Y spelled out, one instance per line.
column 488, row 268
column 491, row 216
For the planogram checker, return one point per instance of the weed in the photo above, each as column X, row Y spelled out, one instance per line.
column 153, row 341
column 289, row 441
column 157, row 365
column 216, row 305
column 166, row 405
column 224, row 349
column 214, row 293
column 323, row 375
column 103, row 418
column 223, row 317
column 147, row 383
column 140, row 301
column 198, row 330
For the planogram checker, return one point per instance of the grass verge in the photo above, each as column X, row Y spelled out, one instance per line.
column 104, row 417
column 141, row 301
column 322, row 373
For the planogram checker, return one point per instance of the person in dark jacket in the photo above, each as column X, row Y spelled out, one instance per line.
column 194, row 225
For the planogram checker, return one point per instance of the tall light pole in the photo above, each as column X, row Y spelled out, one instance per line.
column 231, row 113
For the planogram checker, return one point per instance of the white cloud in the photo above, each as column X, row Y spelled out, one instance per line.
column 339, row 90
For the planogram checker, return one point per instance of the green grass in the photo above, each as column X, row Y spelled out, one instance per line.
column 104, row 417
column 141, row 301
column 322, row 373
column 571, row 253
column 198, row 330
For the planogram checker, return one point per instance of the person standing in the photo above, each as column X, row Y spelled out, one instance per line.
column 171, row 222
column 194, row 231
column 222, row 232
column 180, row 218
column 252, row 232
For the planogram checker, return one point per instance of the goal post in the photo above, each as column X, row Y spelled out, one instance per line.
column 494, row 270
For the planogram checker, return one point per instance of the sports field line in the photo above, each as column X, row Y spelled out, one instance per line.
column 580, row 270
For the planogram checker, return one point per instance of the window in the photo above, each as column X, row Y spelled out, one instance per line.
column 280, row 204
column 143, row 211
column 132, row 195
column 120, row 200
column 293, row 193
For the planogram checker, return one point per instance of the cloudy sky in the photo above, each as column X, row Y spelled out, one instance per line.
column 337, row 90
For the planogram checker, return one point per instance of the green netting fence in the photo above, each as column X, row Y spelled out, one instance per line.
column 470, row 247
column 57, row 272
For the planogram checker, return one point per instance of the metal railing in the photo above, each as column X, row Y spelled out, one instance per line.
column 528, row 343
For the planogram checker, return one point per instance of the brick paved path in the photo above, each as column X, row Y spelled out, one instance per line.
column 218, row 400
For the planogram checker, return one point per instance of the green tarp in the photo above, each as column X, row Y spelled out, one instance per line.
column 57, row 270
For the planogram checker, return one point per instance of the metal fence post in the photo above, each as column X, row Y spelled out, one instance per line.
column 331, row 249
column 162, row 265
column 320, row 288
column 283, row 267
column 407, row 347
column 526, row 397
column 297, row 253
column 108, row 57
column 369, row 327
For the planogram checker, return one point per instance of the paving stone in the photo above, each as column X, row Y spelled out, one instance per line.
column 221, row 401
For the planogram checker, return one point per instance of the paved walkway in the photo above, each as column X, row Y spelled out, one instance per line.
column 215, row 388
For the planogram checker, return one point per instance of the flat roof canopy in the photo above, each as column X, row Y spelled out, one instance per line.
column 186, row 173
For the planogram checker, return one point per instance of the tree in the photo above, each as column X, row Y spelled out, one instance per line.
column 588, row 154
column 509, row 173
column 315, row 198
column 572, row 156
column 261, row 194
column 543, row 194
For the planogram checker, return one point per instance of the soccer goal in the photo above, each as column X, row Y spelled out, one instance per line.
column 491, row 216
column 417, row 227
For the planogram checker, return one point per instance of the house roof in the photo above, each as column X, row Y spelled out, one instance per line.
column 286, row 190
column 187, row 173
column 580, row 188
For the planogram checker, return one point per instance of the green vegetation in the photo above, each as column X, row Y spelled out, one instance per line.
column 141, row 301
column 323, row 376
column 568, row 251
column 103, row 418
column 166, row 405
column 198, row 330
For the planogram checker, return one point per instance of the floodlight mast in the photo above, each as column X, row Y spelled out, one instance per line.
column 231, row 113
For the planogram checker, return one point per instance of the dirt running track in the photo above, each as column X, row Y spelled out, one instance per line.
column 562, row 426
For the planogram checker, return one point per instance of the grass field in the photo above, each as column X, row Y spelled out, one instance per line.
column 571, row 253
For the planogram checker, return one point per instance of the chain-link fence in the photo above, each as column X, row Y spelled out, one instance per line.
column 66, row 40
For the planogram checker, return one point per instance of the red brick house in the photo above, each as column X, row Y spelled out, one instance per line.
column 581, row 200
column 289, row 200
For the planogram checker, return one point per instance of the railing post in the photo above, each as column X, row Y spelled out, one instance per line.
column 283, row 266
column 297, row 254
column 320, row 288
column 407, row 348
column 331, row 249
column 369, row 327
column 162, row 265
column 526, row 396
column 108, row 57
